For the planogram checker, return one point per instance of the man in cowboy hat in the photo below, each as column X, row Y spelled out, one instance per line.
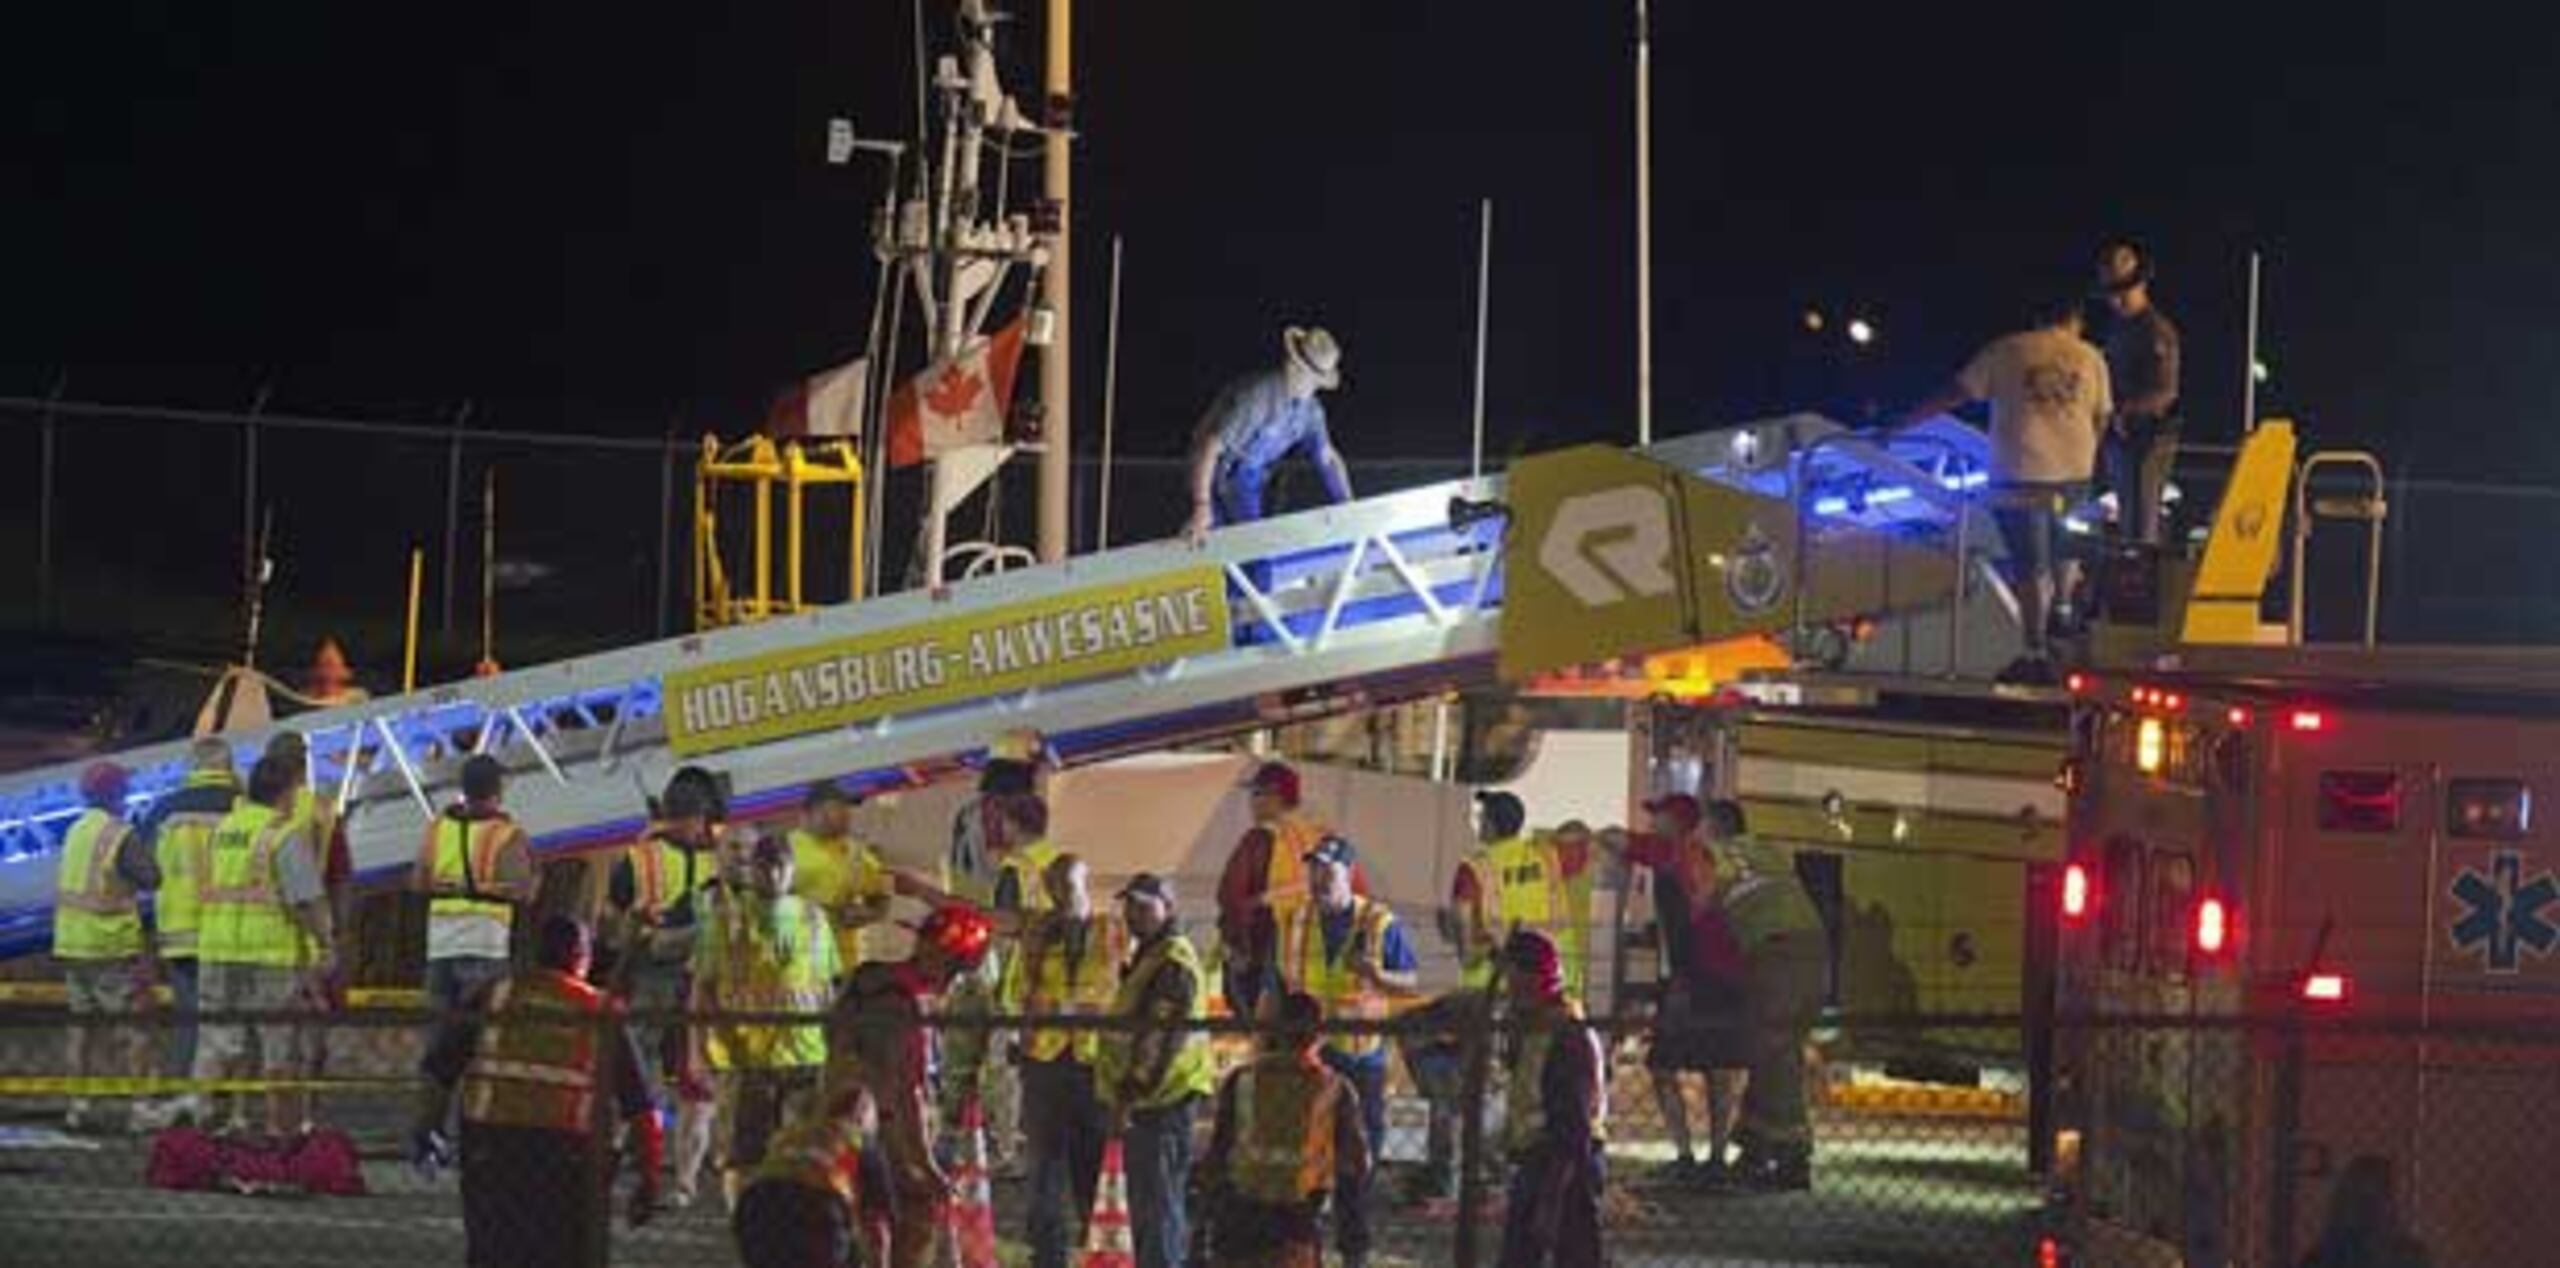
column 1255, row 422
column 2142, row 367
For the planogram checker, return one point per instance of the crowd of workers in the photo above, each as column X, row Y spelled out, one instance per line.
column 808, row 1083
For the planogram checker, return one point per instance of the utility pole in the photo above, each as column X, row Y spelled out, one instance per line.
column 1644, row 228
column 1057, row 432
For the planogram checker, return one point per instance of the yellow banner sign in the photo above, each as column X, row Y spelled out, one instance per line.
column 1039, row 643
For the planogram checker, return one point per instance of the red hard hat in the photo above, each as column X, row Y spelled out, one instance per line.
column 1278, row 780
column 959, row 931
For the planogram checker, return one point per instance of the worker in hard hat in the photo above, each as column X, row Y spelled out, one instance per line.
column 1350, row 953
column 1265, row 881
column 979, row 840
column 1258, row 420
column 1521, row 881
column 840, row 874
column 330, row 682
column 266, row 940
column 524, row 1062
column 801, row 1200
column 1287, row 1138
column 1154, row 1071
column 476, row 868
column 761, row 949
column 657, row 894
column 1786, row 971
column 1557, row 1098
column 1070, row 966
column 180, row 827
column 877, row 1044
column 106, row 955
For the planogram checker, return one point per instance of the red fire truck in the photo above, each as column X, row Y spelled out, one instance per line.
column 2309, row 921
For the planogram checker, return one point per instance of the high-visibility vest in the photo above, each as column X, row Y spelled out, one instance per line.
column 1529, row 890
column 1282, row 1150
column 95, row 913
column 1335, row 980
column 462, row 854
column 1525, row 1116
column 822, row 1152
column 183, row 845
column 1060, row 985
column 241, row 903
column 1475, row 960
column 1193, row 1070
column 1027, row 864
column 664, row 874
column 1761, row 894
column 1284, row 874
column 773, row 956
column 529, row 1072
column 836, row 873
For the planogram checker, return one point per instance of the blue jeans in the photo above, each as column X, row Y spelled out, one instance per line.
column 1368, row 1076
column 1157, row 1147
column 1062, row 1125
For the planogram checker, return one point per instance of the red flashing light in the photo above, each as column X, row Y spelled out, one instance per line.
column 2142, row 695
column 2048, row 1253
column 2076, row 682
column 2075, row 891
column 2173, row 701
column 2309, row 720
column 2213, row 926
column 2238, row 716
column 2325, row 988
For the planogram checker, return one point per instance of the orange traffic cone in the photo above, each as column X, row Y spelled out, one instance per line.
column 1107, row 1241
column 972, row 1210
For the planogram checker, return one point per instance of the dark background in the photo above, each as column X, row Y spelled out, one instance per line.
column 618, row 218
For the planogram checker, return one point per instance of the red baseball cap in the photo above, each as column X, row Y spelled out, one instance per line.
column 1276, row 779
column 1680, row 806
column 105, row 782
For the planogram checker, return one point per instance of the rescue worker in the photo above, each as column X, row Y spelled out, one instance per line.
column 839, row 874
column 1286, row 1135
column 1786, row 965
column 476, row 867
column 1264, row 881
column 265, row 938
column 878, row 1048
column 761, row 949
column 180, row 828
column 1154, row 1071
column 1011, row 769
column 1256, row 421
column 656, row 892
column 1350, row 954
column 107, row 961
column 1697, row 1015
column 316, row 823
column 800, row 1201
column 536, row 1057
column 1525, row 882
column 1557, row 1098
column 1070, row 967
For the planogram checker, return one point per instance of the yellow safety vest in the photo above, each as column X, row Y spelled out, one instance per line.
column 182, row 845
column 95, row 913
column 663, row 874
column 1530, row 891
column 528, row 1072
column 770, row 958
column 1525, row 1116
column 1761, row 894
column 1064, row 986
column 462, row 854
column 1475, row 963
column 1282, row 1150
column 1335, row 981
column 1284, row 874
column 1028, row 864
column 822, row 1153
column 837, row 874
column 241, row 903
column 1193, row 1070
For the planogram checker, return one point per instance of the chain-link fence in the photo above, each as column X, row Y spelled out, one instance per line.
column 2172, row 1138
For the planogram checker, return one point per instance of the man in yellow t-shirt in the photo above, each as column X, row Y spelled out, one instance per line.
column 840, row 874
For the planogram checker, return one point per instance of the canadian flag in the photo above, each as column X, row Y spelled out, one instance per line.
column 828, row 403
column 959, row 402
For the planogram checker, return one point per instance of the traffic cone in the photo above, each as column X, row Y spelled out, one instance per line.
column 972, row 1210
column 1107, row 1241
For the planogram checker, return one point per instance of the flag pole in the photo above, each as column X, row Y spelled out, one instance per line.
column 1110, row 398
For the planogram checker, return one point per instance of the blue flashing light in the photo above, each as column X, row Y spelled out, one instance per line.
column 1887, row 495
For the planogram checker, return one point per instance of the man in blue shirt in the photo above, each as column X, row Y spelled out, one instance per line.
column 1254, row 423
column 1350, row 953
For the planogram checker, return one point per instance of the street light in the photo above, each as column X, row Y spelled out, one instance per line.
column 1861, row 332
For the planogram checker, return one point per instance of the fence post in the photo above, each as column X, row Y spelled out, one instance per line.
column 2284, row 1138
column 603, row 1120
column 1478, row 1078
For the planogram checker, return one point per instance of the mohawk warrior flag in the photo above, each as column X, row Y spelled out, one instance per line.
column 959, row 402
column 828, row 403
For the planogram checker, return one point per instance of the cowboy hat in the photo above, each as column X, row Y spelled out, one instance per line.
column 1314, row 349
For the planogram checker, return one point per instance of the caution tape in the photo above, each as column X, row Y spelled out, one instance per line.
column 63, row 1085
column 52, row 994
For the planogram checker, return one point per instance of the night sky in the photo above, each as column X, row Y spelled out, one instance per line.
column 615, row 218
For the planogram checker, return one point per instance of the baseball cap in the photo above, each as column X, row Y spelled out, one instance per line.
column 1276, row 779
column 1532, row 956
column 1680, row 806
column 105, row 781
column 1148, row 885
column 1333, row 850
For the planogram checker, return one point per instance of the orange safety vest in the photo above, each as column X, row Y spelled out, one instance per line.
column 528, row 1072
column 664, row 873
column 823, row 1152
column 1282, row 1150
column 1335, row 980
column 1284, row 874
